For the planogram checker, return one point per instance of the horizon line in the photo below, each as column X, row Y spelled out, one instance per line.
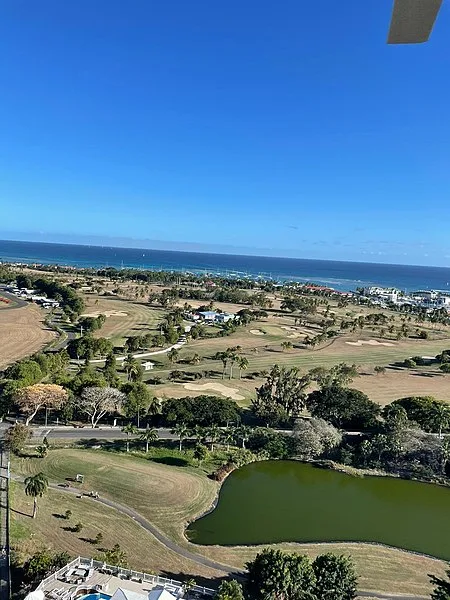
column 97, row 245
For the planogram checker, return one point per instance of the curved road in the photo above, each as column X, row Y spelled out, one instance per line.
column 197, row 558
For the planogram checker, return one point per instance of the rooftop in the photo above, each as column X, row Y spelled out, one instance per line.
column 84, row 576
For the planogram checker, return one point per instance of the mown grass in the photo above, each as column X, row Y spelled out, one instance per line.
column 170, row 496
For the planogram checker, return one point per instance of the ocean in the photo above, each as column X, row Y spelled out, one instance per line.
column 339, row 275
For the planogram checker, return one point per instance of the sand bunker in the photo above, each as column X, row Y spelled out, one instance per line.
column 293, row 333
column 369, row 343
column 257, row 332
column 226, row 391
column 107, row 313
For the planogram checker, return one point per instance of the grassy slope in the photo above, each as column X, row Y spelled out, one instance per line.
column 170, row 496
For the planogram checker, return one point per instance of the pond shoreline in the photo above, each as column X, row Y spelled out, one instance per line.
column 326, row 465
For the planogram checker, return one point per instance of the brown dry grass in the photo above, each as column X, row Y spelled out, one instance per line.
column 22, row 332
column 170, row 496
column 48, row 530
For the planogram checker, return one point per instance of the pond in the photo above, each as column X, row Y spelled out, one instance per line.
column 289, row 501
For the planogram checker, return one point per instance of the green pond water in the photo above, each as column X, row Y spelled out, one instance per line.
column 276, row 501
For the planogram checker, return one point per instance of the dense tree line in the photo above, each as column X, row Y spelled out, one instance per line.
column 201, row 410
column 70, row 301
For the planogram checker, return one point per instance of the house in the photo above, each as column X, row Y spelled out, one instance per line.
column 211, row 316
column 148, row 365
column 208, row 315
column 224, row 317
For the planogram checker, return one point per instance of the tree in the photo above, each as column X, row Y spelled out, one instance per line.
column 200, row 453
column 230, row 590
column 182, row 432
column 36, row 486
column 445, row 367
column 242, row 363
column 33, row 397
column 16, row 437
column 129, row 430
column 173, row 355
column 116, row 556
column 243, row 432
column 335, row 577
column 149, row 436
column 276, row 575
column 441, row 590
column 132, row 368
column 97, row 401
column 339, row 375
column 345, row 408
column 440, row 417
column 43, row 563
column 201, row 410
column 424, row 411
column 286, row 345
column 380, row 370
column 228, row 436
column 137, row 401
column 42, row 451
column 395, row 417
column 213, row 433
column 282, row 396
column 313, row 437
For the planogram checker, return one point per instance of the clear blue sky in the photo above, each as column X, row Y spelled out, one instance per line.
column 288, row 126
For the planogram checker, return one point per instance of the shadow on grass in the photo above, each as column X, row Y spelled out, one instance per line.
column 91, row 541
column 172, row 461
column 213, row 582
column 18, row 512
column 59, row 516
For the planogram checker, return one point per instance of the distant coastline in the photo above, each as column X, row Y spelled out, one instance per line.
column 340, row 275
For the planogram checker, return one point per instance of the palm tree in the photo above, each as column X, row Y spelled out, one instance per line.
column 173, row 355
column 149, row 436
column 440, row 414
column 228, row 436
column 196, row 359
column 242, row 364
column 243, row 432
column 36, row 485
column 232, row 358
column 199, row 433
column 154, row 408
column 223, row 356
column 129, row 429
column 213, row 433
column 182, row 432
column 131, row 366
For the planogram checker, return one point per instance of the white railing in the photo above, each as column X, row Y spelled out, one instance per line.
column 122, row 573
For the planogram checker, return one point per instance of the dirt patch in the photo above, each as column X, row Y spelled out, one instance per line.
column 226, row 391
column 257, row 332
column 22, row 332
column 107, row 313
column 369, row 343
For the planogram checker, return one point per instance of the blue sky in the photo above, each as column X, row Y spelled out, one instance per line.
column 286, row 126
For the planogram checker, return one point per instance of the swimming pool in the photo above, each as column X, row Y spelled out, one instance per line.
column 96, row 596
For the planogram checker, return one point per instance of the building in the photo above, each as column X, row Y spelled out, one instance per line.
column 211, row 316
column 83, row 578
column 148, row 365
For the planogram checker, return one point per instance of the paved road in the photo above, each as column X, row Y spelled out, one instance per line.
column 104, row 433
column 18, row 302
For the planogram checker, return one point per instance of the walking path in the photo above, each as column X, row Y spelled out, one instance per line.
column 4, row 527
column 197, row 558
column 176, row 346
